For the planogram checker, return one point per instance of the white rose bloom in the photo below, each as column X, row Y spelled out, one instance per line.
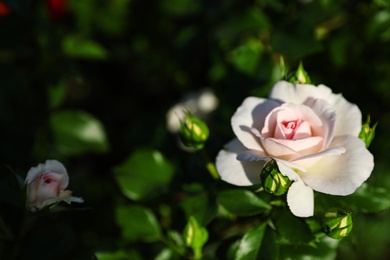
column 312, row 134
column 46, row 185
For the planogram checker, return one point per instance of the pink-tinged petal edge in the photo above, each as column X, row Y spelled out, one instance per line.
column 50, row 166
column 251, row 113
column 327, row 115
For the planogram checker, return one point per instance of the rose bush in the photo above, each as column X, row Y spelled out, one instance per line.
column 46, row 185
column 310, row 132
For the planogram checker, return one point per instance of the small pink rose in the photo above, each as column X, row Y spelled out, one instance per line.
column 46, row 185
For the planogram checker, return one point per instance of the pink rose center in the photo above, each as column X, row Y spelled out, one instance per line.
column 48, row 179
column 291, row 131
column 48, row 186
column 290, row 127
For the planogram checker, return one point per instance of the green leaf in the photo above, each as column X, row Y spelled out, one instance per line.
column 78, row 47
column 166, row 254
column 251, row 20
column 194, row 235
column 111, row 17
column 294, row 47
column 180, row 7
column 269, row 249
column 144, row 174
column 368, row 199
column 242, row 202
column 246, row 57
column 378, row 27
column 138, row 223
column 119, row 255
column 56, row 95
column 382, row 2
column 251, row 242
column 324, row 250
column 201, row 206
column 176, row 239
column 77, row 132
column 291, row 229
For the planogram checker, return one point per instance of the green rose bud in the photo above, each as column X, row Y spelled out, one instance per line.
column 301, row 76
column 193, row 131
column 195, row 236
column 337, row 223
column 367, row 133
column 272, row 180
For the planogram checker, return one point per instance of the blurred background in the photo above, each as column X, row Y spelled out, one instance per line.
column 90, row 83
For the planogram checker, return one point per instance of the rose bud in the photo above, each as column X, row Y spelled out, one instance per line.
column 301, row 76
column 272, row 180
column 338, row 223
column 193, row 132
column 46, row 185
column 367, row 133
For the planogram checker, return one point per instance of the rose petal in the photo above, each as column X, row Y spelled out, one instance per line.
column 291, row 112
column 349, row 117
column 48, row 166
column 34, row 173
column 252, row 155
column 305, row 146
column 55, row 166
column 240, row 173
column 305, row 113
column 303, row 131
column 279, row 150
column 327, row 115
column 287, row 170
column 309, row 160
column 42, row 204
column 66, row 196
column 251, row 113
column 342, row 174
column 300, row 199
column 271, row 128
column 47, row 191
column 297, row 93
